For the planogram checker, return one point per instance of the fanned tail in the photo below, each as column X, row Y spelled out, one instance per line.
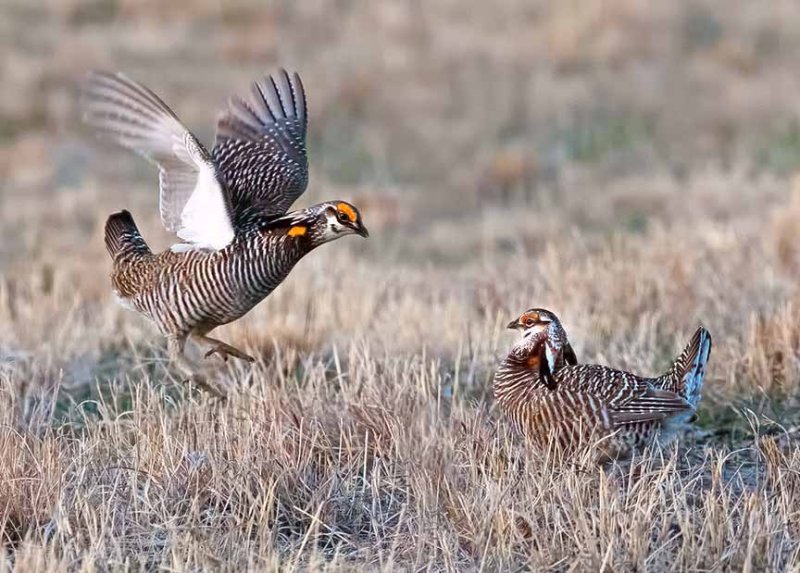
column 686, row 375
column 123, row 237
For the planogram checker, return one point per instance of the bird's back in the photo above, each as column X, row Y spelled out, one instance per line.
column 591, row 404
column 607, row 384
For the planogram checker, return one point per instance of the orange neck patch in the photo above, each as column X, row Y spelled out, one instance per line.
column 297, row 231
column 533, row 362
column 347, row 210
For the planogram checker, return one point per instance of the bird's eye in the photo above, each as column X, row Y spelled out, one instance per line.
column 343, row 217
column 528, row 322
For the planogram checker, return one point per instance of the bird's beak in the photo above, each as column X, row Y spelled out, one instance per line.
column 362, row 230
column 513, row 325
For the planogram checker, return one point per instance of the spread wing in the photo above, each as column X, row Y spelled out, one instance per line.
column 626, row 398
column 193, row 203
column 260, row 149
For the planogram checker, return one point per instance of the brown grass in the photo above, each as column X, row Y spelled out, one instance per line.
column 629, row 167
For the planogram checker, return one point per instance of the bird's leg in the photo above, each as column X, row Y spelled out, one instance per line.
column 175, row 346
column 221, row 348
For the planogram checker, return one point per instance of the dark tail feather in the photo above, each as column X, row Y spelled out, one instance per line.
column 686, row 375
column 123, row 237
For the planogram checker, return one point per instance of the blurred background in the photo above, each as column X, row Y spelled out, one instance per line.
column 420, row 110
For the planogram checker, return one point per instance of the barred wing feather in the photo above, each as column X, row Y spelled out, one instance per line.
column 193, row 203
column 260, row 148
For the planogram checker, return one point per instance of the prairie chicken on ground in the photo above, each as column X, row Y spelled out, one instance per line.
column 554, row 401
column 229, row 206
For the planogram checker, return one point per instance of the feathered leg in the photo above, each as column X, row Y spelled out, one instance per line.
column 175, row 346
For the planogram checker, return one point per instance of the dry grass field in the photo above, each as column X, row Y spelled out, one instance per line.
column 630, row 165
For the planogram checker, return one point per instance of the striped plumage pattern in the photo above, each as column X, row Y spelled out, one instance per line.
column 688, row 371
column 260, row 149
column 197, row 290
column 592, row 404
column 229, row 206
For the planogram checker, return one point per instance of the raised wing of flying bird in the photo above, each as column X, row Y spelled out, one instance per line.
column 257, row 166
column 193, row 203
column 260, row 149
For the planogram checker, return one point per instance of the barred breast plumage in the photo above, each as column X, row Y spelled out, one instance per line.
column 182, row 291
column 229, row 206
column 588, row 403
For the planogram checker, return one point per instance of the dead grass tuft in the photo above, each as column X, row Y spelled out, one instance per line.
column 31, row 484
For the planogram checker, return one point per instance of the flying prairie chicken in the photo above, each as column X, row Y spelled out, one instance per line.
column 228, row 206
column 554, row 401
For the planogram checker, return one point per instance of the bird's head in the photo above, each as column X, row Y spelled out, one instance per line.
column 322, row 223
column 537, row 325
column 336, row 219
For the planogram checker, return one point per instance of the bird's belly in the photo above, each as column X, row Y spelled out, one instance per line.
column 216, row 307
column 197, row 290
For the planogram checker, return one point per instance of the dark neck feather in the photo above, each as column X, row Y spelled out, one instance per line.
column 516, row 379
column 284, row 225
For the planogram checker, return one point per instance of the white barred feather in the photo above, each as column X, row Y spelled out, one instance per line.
column 193, row 203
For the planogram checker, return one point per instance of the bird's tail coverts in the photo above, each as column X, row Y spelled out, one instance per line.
column 123, row 237
column 688, row 371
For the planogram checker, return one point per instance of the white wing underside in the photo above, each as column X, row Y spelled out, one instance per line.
column 192, row 202
column 197, row 227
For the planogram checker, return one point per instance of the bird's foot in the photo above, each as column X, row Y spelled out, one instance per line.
column 226, row 350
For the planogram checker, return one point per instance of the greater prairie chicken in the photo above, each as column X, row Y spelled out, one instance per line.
column 229, row 206
column 554, row 401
